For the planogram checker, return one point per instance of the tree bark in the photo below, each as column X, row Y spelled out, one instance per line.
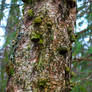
column 42, row 50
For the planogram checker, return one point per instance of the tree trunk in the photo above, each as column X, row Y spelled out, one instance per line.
column 41, row 56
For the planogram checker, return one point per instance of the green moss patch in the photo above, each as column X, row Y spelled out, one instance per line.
column 72, row 38
column 36, row 37
column 30, row 13
column 38, row 20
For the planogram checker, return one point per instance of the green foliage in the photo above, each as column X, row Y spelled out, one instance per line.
column 82, row 48
column 79, row 88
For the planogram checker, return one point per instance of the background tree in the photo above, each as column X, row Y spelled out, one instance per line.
column 9, row 22
column 83, row 54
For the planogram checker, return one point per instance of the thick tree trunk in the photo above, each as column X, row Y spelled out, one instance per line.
column 42, row 50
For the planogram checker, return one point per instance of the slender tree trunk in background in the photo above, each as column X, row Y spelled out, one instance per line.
column 42, row 50
column 1, row 10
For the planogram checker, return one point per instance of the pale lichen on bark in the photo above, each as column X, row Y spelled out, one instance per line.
column 44, row 50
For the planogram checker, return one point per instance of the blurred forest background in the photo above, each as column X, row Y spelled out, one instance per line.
column 10, row 22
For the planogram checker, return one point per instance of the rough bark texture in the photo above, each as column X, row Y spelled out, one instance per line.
column 42, row 50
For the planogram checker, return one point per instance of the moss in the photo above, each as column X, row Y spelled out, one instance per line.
column 28, row 47
column 35, row 37
column 69, row 29
column 63, row 50
column 38, row 20
column 30, row 13
column 72, row 38
column 72, row 84
column 40, row 41
column 67, row 69
column 42, row 83
column 10, row 69
column 49, row 25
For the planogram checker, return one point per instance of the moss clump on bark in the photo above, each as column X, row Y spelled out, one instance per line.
column 40, row 41
column 49, row 25
column 67, row 69
column 72, row 38
column 30, row 13
column 69, row 29
column 37, row 20
column 36, row 37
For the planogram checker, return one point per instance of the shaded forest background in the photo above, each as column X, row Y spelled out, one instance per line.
column 11, row 20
